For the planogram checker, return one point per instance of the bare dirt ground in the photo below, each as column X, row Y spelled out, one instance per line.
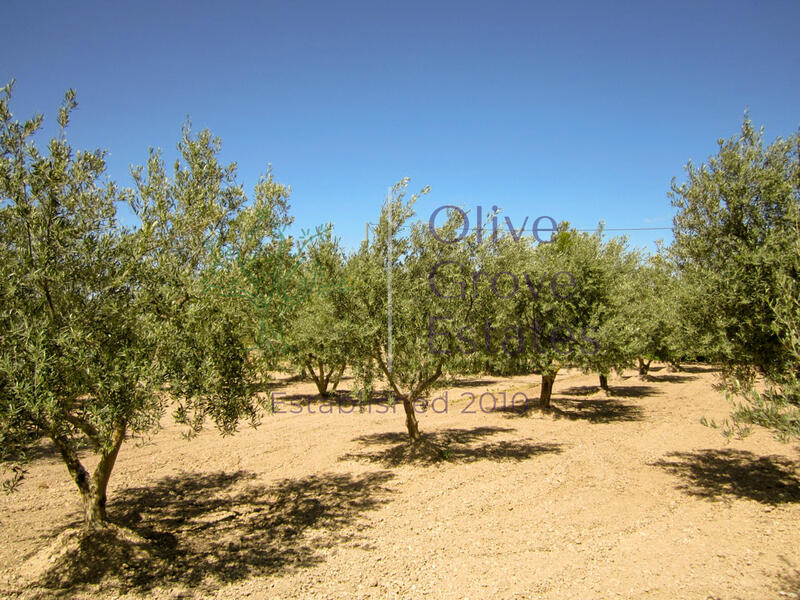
column 626, row 496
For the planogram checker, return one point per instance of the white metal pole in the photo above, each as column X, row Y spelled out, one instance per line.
column 389, row 281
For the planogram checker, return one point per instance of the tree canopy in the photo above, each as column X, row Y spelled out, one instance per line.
column 735, row 242
column 105, row 326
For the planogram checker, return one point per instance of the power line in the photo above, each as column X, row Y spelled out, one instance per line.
column 626, row 229
column 502, row 232
column 499, row 230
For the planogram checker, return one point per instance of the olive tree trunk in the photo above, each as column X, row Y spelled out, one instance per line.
column 326, row 382
column 411, row 420
column 644, row 367
column 547, row 390
column 604, row 382
column 92, row 488
column 417, row 391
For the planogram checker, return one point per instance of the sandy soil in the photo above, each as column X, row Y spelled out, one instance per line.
column 626, row 496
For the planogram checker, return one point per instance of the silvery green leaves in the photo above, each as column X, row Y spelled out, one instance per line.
column 106, row 326
column 736, row 235
column 271, row 275
column 75, row 336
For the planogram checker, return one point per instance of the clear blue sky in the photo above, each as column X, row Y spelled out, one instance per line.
column 574, row 110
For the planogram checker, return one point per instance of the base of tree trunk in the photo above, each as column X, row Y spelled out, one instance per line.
column 644, row 368
column 94, row 513
column 546, row 391
column 412, row 425
column 78, row 555
column 604, row 382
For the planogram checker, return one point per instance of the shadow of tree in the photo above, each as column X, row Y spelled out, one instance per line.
column 620, row 391
column 456, row 382
column 282, row 384
column 455, row 445
column 789, row 580
column 341, row 400
column 699, row 368
column 670, row 378
column 205, row 530
column 605, row 410
column 720, row 474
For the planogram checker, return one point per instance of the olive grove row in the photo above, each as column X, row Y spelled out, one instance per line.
column 106, row 327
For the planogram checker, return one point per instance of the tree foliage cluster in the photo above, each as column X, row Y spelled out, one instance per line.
column 104, row 327
column 736, row 246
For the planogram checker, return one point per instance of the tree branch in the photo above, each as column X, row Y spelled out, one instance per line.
column 87, row 428
column 389, row 376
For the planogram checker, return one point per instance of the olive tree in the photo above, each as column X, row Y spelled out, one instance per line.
column 736, row 245
column 651, row 310
column 775, row 405
column 321, row 332
column 403, row 339
column 615, row 309
column 561, row 317
column 103, row 325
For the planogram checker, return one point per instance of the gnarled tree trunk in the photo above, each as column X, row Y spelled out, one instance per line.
column 326, row 382
column 604, row 382
column 411, row 420
column 337, row 376
column 644, row 367
column 547, row 390
column 92, row 488
column 423, row 384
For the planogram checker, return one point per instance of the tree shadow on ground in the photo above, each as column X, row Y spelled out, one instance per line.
column 670, row 378
column 620, row 391
column 605, row 410
column 726, row 474
column 203, row 531
column 789, row 580
column 340, row 401
column 469, row 383
column 284, row 383
column 453, row 445
column 698, row 368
